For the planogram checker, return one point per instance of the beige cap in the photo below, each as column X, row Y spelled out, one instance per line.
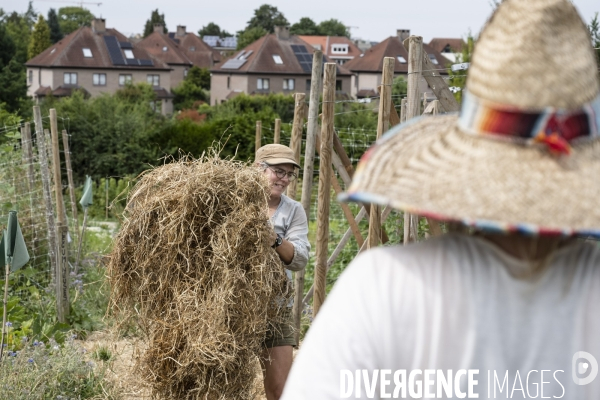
column 274, row 154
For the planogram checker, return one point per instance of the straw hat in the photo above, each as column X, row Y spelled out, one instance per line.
column 524, row 153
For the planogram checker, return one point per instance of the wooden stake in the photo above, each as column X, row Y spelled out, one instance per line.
column 106, row 191
column 403, row 110
column 383, row 123
column 28, row 155
column 4, row 309
column 43, row 158
column 296, row 139
column 312, row 130
column 325, row 170
column 277, row 132
column 258, row 136
column 67, row 150
column 85, row 214
column 394, row 117
column 60, row 210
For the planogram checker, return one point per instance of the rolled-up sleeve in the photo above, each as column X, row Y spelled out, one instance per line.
column 297, row 234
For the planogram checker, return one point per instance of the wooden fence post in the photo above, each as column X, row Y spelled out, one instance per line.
column 28, row 155
column 383, row 123
column 296, row 139
column 325, row 169
column 277, row 132
column 67, row 150
column 312, row 127
column 258, row 136
column 43, row 157
column 62, row 265
column 403, row 110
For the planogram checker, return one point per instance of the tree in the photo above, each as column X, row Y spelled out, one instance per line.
column 249, row 36
column 333, row 27
column 267, row 17
column 54, row 25
column 18, row 28
column 194, row 88
column 399, row 89
column 199, row 77
column 155, row 18
column 72, row 18
column 458, row 79
column 594, row 28
column 213, row 29
column 305, row 26
column 40, row 38
column 14, row 86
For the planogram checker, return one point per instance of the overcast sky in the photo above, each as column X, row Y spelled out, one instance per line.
column 372, row 20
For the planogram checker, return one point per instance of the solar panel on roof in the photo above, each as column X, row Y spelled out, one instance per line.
column 146, row 63
column 125, row 45
column 233, row 64
column 303, row 56
column 229, row 42
column 132, row 61
column 114, row 51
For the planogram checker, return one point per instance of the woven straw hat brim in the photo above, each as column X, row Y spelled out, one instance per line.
column 430, row 167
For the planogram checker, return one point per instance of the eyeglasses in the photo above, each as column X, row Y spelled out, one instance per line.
column 281, row 174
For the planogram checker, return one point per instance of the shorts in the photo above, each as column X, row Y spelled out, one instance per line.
column 281, row 333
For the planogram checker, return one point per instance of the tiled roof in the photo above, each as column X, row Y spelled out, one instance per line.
column 372, row 60
column 165, row 49
column 200, row 53
column 324, row 44
column 439, row 44
column 68, row 52
column 259, row 58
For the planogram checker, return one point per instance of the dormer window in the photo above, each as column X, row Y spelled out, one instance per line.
column 447, row 49
column 87, row 53
column 339, row 49
column 401, row 60
column 277, row 59
column 128, row 53
column 433, row 59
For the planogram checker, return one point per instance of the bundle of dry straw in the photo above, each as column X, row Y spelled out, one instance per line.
column 193, row 259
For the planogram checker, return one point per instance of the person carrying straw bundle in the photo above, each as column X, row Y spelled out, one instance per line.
column 290, row 241
column 510, row 311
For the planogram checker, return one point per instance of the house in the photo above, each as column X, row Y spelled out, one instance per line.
column 448, row 47
column 96, row 60
column 275, row 63
column 336, row 48
column 200, row 53
column 368, row 67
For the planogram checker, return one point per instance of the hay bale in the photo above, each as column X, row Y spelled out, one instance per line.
column 193, row 259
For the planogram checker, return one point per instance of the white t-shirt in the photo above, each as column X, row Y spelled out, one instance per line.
column 455, row 303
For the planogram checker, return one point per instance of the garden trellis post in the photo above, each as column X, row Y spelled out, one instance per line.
column 296, row 139
column 258, row 136
column 43, row 158
column 277, row 133
column 86, row 201
column 383, row 123
column 312, row 126
column 62, row 229
column 28, row 155
column 13, row 255
column 67, row 151
column 325, row 169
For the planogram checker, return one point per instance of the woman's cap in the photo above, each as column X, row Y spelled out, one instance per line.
column 274, row 154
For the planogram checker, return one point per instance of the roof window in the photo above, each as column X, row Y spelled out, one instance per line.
column 401, row 59
column 87, row 53
column 128, row 53
column 192, row 48
column 165, row 48
column 433, row 59
column 53, row 50
column 277, row 59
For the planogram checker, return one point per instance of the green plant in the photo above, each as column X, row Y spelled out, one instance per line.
column 102, row 353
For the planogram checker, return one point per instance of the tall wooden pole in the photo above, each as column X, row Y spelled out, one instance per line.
column 415, row 66
column 325, row 169
column 28, row 155
column 296, row 139
column 403, row 110
column 67, row 150
column 43, row 158
column 307, row 177
column 62, row 265
column 277, row 132
column 383, row 123
column 258, row 136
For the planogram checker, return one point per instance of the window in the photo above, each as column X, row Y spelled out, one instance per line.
column 307, row 87
column 193, row 48
column 402, row 59
column 87, row 53
column 288, row 84
column 53, row 50
column 433, row 59
column 228, row 81
column 30, row 76
column 338, row 85
column 262, row 84
column 185, row 72
column 447, row 49
column 277, row 59
column 70, row 78
column 154, row 80
column 339, row 49
column 165, row 48
column 124, row 79
column 128, row 53
column 99, row 79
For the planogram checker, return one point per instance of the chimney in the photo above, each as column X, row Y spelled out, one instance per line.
column 180, row 30
column 159, row 28
column 282, row 32
column 99, row 25
column 403, row 34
